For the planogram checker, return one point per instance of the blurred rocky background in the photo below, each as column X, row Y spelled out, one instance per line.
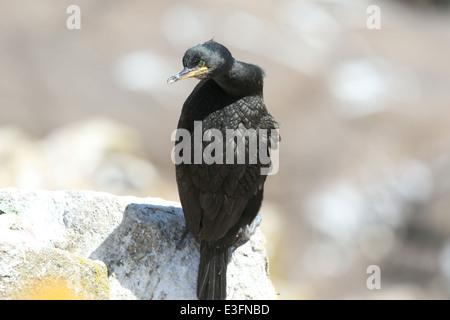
column 364, row 173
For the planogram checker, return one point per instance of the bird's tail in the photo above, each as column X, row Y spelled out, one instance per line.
column 212, row 272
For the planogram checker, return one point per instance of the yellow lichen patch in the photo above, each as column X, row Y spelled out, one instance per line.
column 42, row 273
column 50, row 289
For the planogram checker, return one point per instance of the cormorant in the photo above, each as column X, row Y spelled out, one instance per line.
column 219, row 199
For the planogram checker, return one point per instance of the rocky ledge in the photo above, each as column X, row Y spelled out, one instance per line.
column 94, row 245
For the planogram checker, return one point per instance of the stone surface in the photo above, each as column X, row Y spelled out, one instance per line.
column 62, row 240
column 39, row 272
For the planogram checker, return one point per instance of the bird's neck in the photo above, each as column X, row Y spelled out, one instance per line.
column 242, row 79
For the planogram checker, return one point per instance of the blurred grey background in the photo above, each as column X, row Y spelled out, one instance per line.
column 364, row 173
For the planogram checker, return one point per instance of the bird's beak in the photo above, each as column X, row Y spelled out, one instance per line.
column 186, row 73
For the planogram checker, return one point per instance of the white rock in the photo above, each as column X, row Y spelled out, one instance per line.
column 138, row 239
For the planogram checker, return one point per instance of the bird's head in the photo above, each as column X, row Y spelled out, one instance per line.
column 204, row 61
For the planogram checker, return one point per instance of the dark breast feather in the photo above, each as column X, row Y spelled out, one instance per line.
column 214, row 196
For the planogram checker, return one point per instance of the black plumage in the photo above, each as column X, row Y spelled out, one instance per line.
column 219, row 199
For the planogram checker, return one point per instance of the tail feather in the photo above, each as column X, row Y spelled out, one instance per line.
column 212, row 272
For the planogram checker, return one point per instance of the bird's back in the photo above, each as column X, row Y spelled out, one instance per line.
column 214, row 196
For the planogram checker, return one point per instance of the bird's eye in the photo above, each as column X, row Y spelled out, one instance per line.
column 201, row 63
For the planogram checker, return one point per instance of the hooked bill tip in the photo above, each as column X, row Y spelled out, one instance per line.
column 172, row 79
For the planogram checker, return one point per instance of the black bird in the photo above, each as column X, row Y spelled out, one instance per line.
column 220, row 199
